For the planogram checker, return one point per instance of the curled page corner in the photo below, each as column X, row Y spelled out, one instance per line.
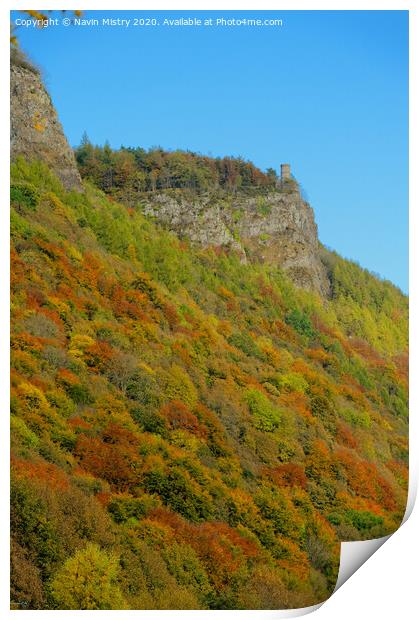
column 355, row 553
column 412, row 494
column 265, row 614
column 295, row 613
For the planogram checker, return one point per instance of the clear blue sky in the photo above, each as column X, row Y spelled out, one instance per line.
column 327, row 92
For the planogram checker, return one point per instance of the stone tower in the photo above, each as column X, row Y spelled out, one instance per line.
column 285, row 171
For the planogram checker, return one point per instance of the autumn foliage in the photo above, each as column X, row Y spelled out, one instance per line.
column 188, row 431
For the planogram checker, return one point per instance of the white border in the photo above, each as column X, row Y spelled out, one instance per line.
column 401, row 567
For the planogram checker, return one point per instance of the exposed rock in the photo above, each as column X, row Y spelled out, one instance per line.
column 278, row 228
column 36, row 131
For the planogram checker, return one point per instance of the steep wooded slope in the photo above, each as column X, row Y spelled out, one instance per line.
column 189, row 431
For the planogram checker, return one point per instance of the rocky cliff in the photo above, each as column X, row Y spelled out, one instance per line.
column 278, row 228
column 36, row 132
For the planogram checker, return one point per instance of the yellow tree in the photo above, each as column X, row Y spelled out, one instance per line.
column 88, row 580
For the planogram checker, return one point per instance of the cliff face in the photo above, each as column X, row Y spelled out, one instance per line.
column 278, row 228
column 36, row 132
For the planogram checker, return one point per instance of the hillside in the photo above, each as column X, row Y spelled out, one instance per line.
column 226, row 202
column 190, row 430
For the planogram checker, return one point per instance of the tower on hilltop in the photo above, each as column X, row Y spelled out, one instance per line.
column 285, row 171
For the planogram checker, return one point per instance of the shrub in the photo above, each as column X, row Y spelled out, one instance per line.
column 178, row 490
column 180, row 417
column 143, row 388
column 180, row 387
column 26, row 436
column 26, row 587
column 183, row 563
column 363, row 520
column 267, row 417
column 301, row 323
column 291, row 382
column 245, row 343
column 113, row 457
column 151, row 421
column 88, row 580
column 40, row 325
column 124, row 508
column 19, row 59
column 31, row 528
column 79, row 393
column 24, row 196
column 288, row 474
column 359, row 418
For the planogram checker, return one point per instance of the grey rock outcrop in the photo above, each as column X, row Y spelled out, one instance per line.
column 36, row 132
column 278, row 228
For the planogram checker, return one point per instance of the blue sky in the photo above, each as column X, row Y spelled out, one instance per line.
column 327, row 92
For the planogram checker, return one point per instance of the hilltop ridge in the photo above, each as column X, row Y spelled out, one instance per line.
column 226, row 203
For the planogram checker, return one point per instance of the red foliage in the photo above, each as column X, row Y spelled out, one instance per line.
column 116, row 434
column 40, row 472
column 17, row 273
column 365, row 480
column 90, row 270
column 344, row 435
column 401, row 362
column 353, row 392
column 129, row 303
column 232, row 305
column 284, row 331
column 209, row 418
column 34, row 298
column 26, row 342
column 42, row 384
column 103, row 498
column 170, row 314
column 67, row 292
column 67, row 377
column 366, row 350
column 220, row 547
column 318, row 461
column 319, row 355
column 332, row 333
column 297, row 401
column 353, row 382
column 267, row 291
column 50, row 249
column 219, row 250
column 180, row 417
column 181, row 349
column 323, row 328
column 99, row 356
column 287, row 475
column 77, row 423
column 399, row 470
column 113, row 456
column 183, row 245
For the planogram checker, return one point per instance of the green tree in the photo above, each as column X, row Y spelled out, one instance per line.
column 88, row 581
column 267, row 416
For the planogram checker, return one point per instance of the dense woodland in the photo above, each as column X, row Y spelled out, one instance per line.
column 127, row 172
column 189, row 432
